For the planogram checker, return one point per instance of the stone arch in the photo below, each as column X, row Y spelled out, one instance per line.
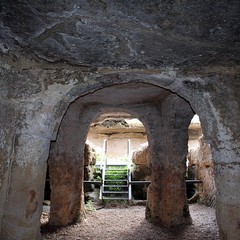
column 67, row 153
column 149, row 109
column 205, row 104
column 105, row 80
column 186, row 87
column 115, row 114
column 49, row 62
column 191, row 89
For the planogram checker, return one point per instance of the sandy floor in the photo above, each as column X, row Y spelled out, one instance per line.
column 128, row 223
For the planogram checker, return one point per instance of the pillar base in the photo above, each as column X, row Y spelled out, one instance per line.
column 165, row 213
column 228, row 200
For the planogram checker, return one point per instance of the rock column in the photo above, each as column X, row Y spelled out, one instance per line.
column 66, row 170
column 66, row 166
column 228, row 200
column 167, row 202
column 23, row 206
column 220, row 123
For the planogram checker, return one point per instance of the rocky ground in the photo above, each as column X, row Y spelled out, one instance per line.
column 128, row 223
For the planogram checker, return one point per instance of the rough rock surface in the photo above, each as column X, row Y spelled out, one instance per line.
column 114, row 56
column 141, row 156
column 89, row 154
column 89, row 162
column 141, row 171
column 201, row 166
column 168, row 168
column 132, row 33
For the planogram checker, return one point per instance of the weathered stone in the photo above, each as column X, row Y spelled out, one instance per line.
column 169, row 167
column 89, row 154
column 88, row 173
column 26, row 195
column 227, row 200
column 141, row 172
column 141, row 156
column 202, row 167
column 66, row 161
column 56, row 32
column 115, row 136
column 117, row 56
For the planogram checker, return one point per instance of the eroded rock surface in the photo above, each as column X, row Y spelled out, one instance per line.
column 141, row 171
column 133, row 33
column 89, row 162
column 201, row 166
column 53, row 53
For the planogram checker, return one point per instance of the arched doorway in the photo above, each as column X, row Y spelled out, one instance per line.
column 166, row 117
column 203, row 106
column 114, row 136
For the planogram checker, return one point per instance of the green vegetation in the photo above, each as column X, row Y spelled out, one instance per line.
column 89, row 206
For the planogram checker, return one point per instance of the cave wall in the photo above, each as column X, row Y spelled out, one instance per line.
column 53, row 52
column 201, row 167
column 39, row 115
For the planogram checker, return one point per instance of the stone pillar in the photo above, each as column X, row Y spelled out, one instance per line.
column 23, row 206
column 66, row 175
column 167, row 202
column 227, row 178
column 66, row 167
column 66, row 171
column 226, row 155
column 7, row 123
column 220, row 120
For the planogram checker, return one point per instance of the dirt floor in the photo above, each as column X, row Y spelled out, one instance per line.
column 128, row 223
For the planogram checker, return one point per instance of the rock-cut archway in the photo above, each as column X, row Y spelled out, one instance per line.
column 53, row 52
column 166, row 117
column 28, row 159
